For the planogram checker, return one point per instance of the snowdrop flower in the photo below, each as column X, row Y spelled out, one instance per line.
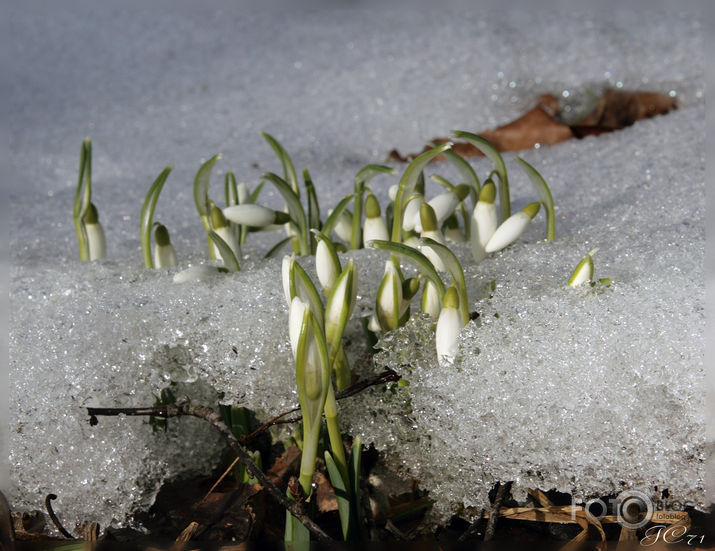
column 295, row 322
column 411, row 214
column 255, row 216
column 327, row 265
column 389, row 298
column 484, row 221
column 220, row 226
column 392, row 192
column 448, row 326
column 202, row 272
column 95, row 234
column 164, row 255
column 445, row 204
column 430, row 228
column 512, row 228
column 338, row 310
column 453, row 233
column 584, row 270
column 430, row 303
column 375, row 227
column 344, row 226
column 297, row 283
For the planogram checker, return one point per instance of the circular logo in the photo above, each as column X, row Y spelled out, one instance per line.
column 633, row 509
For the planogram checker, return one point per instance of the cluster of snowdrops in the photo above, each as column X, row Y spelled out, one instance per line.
column 410, row 228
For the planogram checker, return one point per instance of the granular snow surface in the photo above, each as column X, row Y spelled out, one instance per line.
column 589, row 390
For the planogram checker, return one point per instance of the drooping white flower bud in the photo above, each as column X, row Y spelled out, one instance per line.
column 389, row 298
column 430, row 303
column 445, row 204
column 512, row 228
column 201, row 272
column 256, row 216
column 326, row 265
column 164, row 254
column 392, row 192
column 430, row 228
column 344, row 226
column 584, row 270
column 95, row 234
column 484, row 221
column 448, row 326
column 411, row 214
column 374, row 227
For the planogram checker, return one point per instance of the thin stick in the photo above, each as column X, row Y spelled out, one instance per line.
column 472, row 528
column 183, row 407
column 502, row 490
column 53, row 517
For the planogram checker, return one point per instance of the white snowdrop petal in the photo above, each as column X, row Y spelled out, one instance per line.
column 97, row 242
column 508, row 232
column 250, row 215
column 448, row 326
column 374, row 228
column 164, row 256
column 324, row 266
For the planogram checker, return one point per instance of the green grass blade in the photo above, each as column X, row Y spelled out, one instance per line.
column 147, row 215
column 202, row 182
column 495, row 157
column 295, row 209
column 335, row 215
column 407, row 186
column 415, row 257
column 83, row 196
column 368, row 172
column 356, row 234
column 230, row 188
column 277, row 247
column 342, row 494
column 289, row 174
column 355, row 467
column 256, row 192
column 544, row 194
column 229, row 259
column 454, row 268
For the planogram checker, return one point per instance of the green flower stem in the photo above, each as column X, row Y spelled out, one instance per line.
column 147, row 216
column 495, row 157
column 336, row 439
column 356, row 234
column 82, row 198
column 296, row 211
column 544, row 194
column 202, row 182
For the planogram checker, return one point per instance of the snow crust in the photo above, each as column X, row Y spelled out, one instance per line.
column 590, row 391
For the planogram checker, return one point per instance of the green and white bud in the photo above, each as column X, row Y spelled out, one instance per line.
column 373, row 324
column 430, row 228
column 389, row 298
column 255, row 216
column 452, row 231
column 484, row 221
column 164, row 254
column 222, row 229
column 344, row 226
column 201, row 272
column 512, row 228
column 448, row 326
column 295, row 322
column 445, row 204
column 411, row 214
column 95, row 234
column 339, row 307
column 374, row 227
column 327, row 265
column 297, row 283
column 430, row 302
column 392, row 192
column 584, row 270
column 244, row 194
